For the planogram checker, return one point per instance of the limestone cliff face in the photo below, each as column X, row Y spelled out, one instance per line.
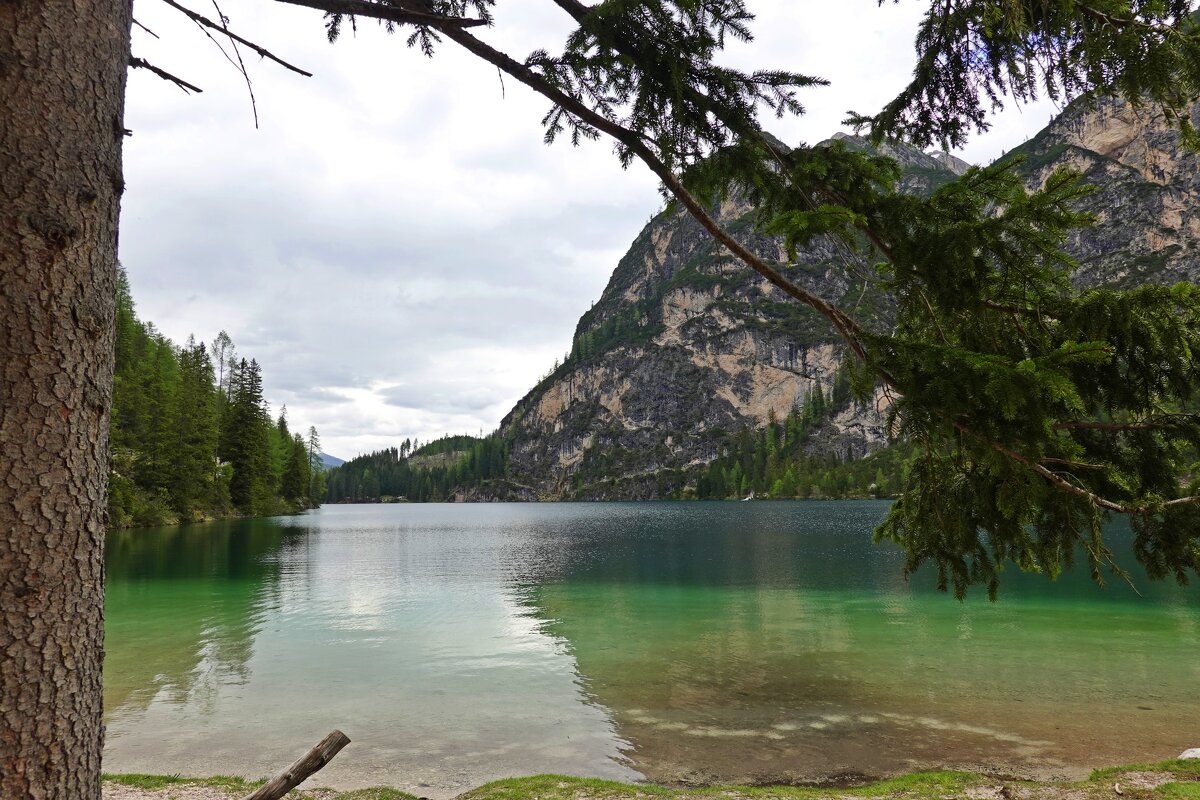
column 1147, row 199
column 685, row 345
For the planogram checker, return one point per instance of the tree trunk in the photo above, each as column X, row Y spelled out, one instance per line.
column 62, row 91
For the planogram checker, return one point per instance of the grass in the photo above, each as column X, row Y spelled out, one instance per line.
column 155, row 782
column 1186, row 768
column 1180, row 780
column 1178, row 791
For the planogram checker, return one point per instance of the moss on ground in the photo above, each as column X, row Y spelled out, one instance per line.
column 1167, row 780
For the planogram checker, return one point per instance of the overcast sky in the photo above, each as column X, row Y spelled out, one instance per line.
column 394, row 244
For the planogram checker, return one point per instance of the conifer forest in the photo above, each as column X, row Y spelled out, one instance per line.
column 192, row 436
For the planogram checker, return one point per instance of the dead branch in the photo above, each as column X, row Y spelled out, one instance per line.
column 200, row 19
column 239, row 65
column 1062, row 483
column 320, row 755
column 141, row 63
column 147, row 30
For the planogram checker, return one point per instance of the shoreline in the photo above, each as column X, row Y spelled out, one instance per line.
column 1175, row 779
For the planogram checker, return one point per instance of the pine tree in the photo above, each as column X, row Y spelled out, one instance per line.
column 195, row 434
column 245, row 439
column 297, row 472
column 316, row 466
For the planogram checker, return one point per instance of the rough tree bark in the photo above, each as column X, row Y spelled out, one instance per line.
column 62, row 89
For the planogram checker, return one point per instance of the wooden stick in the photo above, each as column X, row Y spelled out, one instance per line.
column 306, row 765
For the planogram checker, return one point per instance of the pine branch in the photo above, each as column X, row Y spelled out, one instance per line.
column 1065, row 485
column 1121, row 23
column 850, row 331
column 1155, row 423
column 141, row 63
column 200, row 19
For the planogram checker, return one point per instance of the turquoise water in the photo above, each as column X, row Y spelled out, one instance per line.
column 678, row 642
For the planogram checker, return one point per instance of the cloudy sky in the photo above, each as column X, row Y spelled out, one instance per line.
column 394, row 243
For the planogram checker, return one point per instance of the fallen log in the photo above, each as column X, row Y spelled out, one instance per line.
column 321, row 754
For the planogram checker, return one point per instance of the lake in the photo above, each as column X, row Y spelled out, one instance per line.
column 675, row 642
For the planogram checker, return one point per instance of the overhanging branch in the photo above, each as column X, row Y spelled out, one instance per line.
column 847, row 328
column 1065, row 485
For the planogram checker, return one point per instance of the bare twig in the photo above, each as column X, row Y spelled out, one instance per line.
column 241, row 65
column 200, row 19
column 147, row 30
column 1067, row 463
column 141, row 63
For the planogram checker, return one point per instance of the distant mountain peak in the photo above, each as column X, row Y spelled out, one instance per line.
column 950, row 161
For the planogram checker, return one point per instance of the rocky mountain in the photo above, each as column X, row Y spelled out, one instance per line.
column 685, row 346
column 1147, row 199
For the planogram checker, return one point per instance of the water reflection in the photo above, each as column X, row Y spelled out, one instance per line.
column 182, row 609
column 790, row 649
column 705, row 641
column 402, row 632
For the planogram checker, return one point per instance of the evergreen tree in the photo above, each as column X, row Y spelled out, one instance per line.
column 245, row 439
column 193, row 456
column 316, row 489
column 297, row 473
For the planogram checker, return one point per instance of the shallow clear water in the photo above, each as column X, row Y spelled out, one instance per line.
column 677, row 641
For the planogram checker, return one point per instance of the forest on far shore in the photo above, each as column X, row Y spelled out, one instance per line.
column 192, row 437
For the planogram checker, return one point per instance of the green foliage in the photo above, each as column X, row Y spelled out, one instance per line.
column 690, row 105
column 375, row 793
column 446, row 444
column 185, row 449
column 297, row 472
column 971, row 53
column 1178, row 791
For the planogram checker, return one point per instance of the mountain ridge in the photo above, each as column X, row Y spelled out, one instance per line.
column 685, row 345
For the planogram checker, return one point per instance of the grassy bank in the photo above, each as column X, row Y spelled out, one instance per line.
column 1168, row 780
